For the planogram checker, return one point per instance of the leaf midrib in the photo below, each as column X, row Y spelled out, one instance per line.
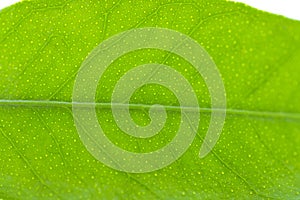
column 66, row 104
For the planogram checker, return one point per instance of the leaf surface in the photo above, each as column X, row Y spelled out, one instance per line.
column 42, row 45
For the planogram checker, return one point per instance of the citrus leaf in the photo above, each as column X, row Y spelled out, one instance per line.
column 44, row 43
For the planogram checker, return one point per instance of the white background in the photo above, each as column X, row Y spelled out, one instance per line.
column 288, row 8
column 5, row 3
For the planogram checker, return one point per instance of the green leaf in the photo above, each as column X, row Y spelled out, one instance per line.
column 42, row 46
